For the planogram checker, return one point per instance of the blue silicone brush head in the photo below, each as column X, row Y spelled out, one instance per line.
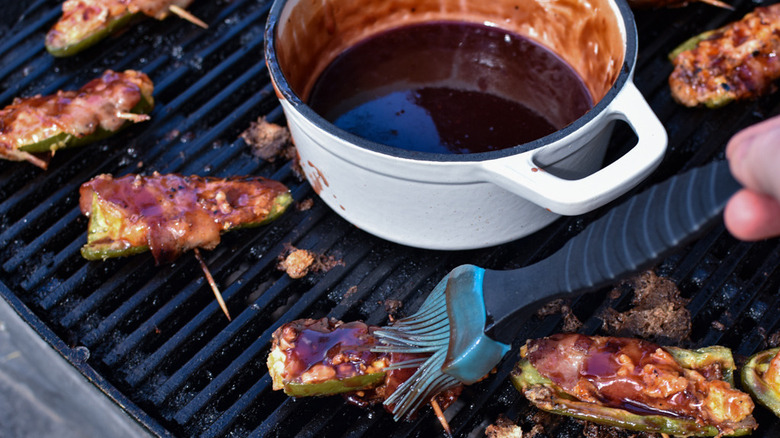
column 450, row 328
column 425, row 332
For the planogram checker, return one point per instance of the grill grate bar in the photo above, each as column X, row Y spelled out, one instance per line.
column 703, row 301
column 744, row 297
column 25, row 52
column 37, row 68
column 44, row 239
column 132, row 341
column 695, row 254
column 135, row 301
column 175, row 76
column 140, row 372
column 11, row 206
column 768, row 322
column 41, row 210
column 13, row 38
column 43, row 272
column 219, row 428
column 271, row 421
column 108, row 289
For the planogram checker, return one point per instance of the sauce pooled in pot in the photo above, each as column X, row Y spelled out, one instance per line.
column 449, row 87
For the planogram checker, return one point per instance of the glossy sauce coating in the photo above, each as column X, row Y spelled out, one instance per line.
column 319, row 350
column 174, row 213
column 772, row 374
column 101, row 103
column 636, row 376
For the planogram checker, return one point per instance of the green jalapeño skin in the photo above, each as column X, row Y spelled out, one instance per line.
column 34, row 128
column 84, row 23
column 636, row 385
column 761, row 378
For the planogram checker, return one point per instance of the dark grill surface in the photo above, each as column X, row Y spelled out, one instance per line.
column 153, row 338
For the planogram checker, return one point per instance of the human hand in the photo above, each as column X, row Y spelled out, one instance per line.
column 753, row 154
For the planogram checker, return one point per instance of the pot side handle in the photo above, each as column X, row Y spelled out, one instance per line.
column 522, row 175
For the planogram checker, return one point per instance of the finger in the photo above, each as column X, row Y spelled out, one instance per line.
column 752, row 216
column 754, row 157
column 745, row 137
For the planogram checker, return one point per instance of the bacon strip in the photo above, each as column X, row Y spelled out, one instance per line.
column 736, row 61
column 171, row 214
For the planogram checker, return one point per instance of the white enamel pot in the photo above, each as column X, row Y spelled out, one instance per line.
column 454, row 202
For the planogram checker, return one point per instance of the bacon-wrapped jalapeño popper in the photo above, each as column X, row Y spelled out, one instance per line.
column 33, row 128
column 170, row 214
column 312, row 357
column 635, row 384
column 321, row 357
column 85, row 22
column 736, row 61
column 761, row 378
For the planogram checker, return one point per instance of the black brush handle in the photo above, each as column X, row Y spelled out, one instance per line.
column 631, row 237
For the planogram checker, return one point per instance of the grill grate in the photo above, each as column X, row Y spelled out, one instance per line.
column 154, row 339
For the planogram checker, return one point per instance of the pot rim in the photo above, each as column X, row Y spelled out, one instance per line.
column 283, row 88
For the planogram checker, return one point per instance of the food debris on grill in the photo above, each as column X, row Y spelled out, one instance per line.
column 734, row 62
column 305, row 204
column 635, row 384
column 297, row 263
column 504, row 428
column 392, row 307
column 658, row 311
column 269, row 141
column 773, row 340
column 33, row 128
column 595, row 430
column 560, row 306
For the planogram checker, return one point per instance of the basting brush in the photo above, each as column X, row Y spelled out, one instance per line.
column 469, row 320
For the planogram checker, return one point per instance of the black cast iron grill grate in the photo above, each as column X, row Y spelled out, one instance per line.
column 153, row 338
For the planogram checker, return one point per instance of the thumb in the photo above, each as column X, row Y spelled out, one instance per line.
column 754, row 157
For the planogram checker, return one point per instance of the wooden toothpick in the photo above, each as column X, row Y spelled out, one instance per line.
column 440, row 416
column 182, row 13
column 213, row 285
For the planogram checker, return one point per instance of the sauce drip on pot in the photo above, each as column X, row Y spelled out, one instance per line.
column 449, row 87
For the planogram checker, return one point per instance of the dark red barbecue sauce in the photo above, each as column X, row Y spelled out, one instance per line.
column 568, row 359
column 319, row 343
column 444, row 87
